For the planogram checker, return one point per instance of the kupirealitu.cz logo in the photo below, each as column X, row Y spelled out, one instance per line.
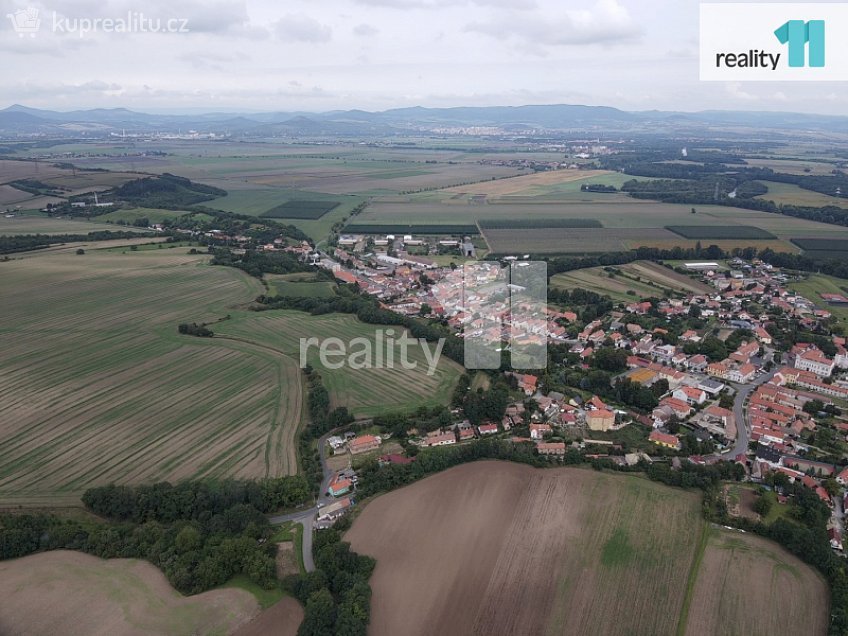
column 739, row 42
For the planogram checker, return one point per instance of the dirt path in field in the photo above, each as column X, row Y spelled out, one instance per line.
column 71, row 593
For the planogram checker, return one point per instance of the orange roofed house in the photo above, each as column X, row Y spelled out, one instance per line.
column 364, row 443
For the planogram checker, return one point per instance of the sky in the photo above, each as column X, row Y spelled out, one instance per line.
column 262, row 55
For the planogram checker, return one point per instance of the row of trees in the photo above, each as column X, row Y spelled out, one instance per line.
column 27, row 242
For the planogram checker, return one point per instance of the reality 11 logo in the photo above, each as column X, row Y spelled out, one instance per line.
column 798, row 34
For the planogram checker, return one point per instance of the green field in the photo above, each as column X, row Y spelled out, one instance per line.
column 283, row 285
column 814, row 285
column 366, row 392
column 97, row 386
column 791, row 194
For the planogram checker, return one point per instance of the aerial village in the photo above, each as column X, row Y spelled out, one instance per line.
column 772, row 409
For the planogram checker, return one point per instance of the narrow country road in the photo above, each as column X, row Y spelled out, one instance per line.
column 307, row 517
column 740, row 415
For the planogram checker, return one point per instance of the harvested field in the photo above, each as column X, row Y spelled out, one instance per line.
column 281, row 619
column 523, row 183
column 65, row 592
column 748, row 585
column 498, row 548
column 97, row 386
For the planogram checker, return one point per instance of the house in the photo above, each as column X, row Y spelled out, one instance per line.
column 364, row 444
column 487, row 429
column 842, row 477
column 744, row 374
column 538, row 431
column 721, row 414
column 690, row 394
column 340, row 486
column 600, row 419
column 717, row 369
column 664, row 439
column 551, row 448
column 334, row 510
column 440, row 439
column 697, row 362
column 394, row 458
column 816, row 362
column 680, row 407
column 527, row 383
column 710, row 386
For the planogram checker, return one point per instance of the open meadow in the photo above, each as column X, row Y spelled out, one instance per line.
column 97, row 385
column 366, row 392
column 66, row 592
column 498, row 548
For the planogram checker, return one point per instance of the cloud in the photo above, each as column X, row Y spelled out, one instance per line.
column 302, row 28
column 365, row 30
column 734, row 90
column 607, row 22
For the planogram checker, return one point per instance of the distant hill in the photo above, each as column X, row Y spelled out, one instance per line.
column 22, row 120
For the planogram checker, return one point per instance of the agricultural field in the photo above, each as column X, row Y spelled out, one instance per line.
column 530, row 184
column 301, row 209
column 626, row 225
column 366, row 392
column 551, row 551
column 97, row 386
column 256, row 201
column 748, row 585
column 790, row 194
column 814, row 285
column 793, row 166
column 638, row 280
column 306, row 286
column 154, row 215
column 43, row 224
column 71, row 592
column 712, row 232
column 835, row 248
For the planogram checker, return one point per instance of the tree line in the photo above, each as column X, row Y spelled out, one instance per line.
column 200, row 534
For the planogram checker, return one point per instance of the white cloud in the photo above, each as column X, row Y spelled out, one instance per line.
column 605, row 23
column 302, row 28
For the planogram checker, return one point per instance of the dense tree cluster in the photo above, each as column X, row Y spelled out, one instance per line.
column 199, row 533
column 193, row 329
column 257, row 263
column 166, row 190
column 336, row 596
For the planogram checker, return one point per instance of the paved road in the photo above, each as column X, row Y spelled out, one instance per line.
column 307, row 517
column 743, row 429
